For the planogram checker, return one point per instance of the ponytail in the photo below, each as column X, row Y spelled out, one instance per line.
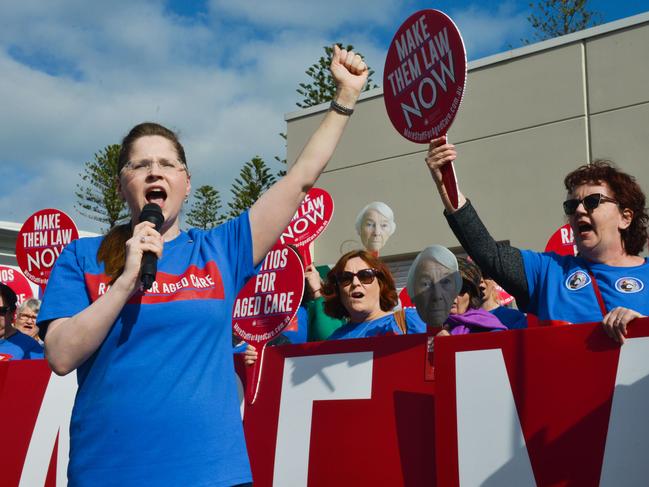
column 112, row 251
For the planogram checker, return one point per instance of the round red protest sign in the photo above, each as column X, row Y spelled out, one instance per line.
column 268, row 301
column 562, row 241
column 17, row 281
column 310, row 220
column 424, row 76
column 40, row 242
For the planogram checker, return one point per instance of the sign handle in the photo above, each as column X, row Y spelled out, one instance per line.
column 305, row 254
column 450, row 182
column 252, row 386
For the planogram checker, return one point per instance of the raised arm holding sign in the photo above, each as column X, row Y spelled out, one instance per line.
column 607, row 281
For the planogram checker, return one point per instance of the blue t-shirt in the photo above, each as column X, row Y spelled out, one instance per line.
column 386, row 325
column 20, row 347
column 157, row 402
column 560, row 288
column 511, row 318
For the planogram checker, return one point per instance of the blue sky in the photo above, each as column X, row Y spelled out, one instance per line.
column 76, row 75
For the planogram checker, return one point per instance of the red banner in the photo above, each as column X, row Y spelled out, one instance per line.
column 548, row 406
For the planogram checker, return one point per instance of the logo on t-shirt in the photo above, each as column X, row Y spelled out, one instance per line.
column 629, row 285
column 577, row 280
column 5, row 357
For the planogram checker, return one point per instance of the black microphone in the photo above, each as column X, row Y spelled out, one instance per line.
column 150, row 213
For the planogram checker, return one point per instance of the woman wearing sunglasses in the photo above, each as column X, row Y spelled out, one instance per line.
column 606, row 282
column 360, row 289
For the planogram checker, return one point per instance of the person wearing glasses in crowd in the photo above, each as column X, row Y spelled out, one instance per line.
column 26, row 316
column 361, row 289
column 606, row 282
column 157, row 400
column 15, row 344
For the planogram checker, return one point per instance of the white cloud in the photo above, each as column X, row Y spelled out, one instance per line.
column 114, row 64
column 76, row 75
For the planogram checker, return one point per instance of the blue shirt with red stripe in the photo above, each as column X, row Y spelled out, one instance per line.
column 157, row 402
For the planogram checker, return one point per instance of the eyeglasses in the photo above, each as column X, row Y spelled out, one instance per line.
column 145, row 165
column 365, row 276
column 4, row 309
column 27, row 317
column 590, row 202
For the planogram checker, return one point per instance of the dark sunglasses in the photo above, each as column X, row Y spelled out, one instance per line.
column 365, row 276
column 590, row 202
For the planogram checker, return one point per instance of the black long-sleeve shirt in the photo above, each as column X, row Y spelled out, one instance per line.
column 500, row 261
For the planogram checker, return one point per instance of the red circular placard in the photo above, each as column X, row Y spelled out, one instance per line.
column 41, row 240
column 268, row 301
column 424, row 76
column 310, row 220
column 562, row 241
column 17, row 281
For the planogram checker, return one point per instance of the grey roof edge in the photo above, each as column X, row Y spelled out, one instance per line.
column 589, row 33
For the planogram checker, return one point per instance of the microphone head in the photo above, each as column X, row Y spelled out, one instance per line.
column 152, row 213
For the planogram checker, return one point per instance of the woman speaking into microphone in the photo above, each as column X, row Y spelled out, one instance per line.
column 157, row 401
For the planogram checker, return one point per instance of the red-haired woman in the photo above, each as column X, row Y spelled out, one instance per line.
column 360, row 288
column 157, row 401
column 608, row 279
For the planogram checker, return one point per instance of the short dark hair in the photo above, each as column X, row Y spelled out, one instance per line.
column 625, row 190
column 388, row 291
column 9, row 297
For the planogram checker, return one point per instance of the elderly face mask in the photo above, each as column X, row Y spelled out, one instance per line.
column 434, row 289
column 375, row 230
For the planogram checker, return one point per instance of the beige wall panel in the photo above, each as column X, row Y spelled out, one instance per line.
column 618, row 69
column 540, row 88
column 528, row 91
column 369, row 137
column 623, row 136
column 515, row 180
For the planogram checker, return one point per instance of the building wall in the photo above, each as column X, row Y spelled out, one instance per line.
column 528, row 117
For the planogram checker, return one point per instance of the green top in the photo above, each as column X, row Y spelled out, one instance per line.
column 321, row 325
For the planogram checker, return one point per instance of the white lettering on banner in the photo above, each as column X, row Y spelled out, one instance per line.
column 45, row 222
column 275, row 259
column 265, row 282
column 6, row 275
column 428, row 101
column 300, row 225
column 567, row 236
column 489, row 434
column 329, row 377
column 412, row 38
column 44, row 258
column 53, row 419
column 627, row 441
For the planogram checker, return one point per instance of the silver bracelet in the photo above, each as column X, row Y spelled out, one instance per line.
column 337, row 107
